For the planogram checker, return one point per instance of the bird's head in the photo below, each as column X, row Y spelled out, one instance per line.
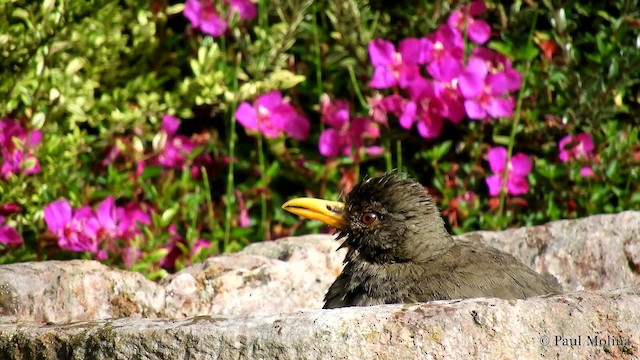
column 386, row 219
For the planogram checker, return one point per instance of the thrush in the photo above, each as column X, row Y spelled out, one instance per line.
column 399, row 251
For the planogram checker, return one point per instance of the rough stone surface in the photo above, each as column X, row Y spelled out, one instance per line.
column 66, row 291
column 598, row 252
column 280, row 276
column 540, row 327
column 247, row 305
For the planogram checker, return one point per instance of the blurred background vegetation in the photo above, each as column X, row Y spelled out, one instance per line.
column 94, row 75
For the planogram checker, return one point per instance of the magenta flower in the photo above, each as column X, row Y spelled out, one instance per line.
column 517, row 170
column 463, row 19
column 129, row 218
column 171, row 153
column 245, row 8
column 580, row 148
column 483, row 92
column 204, row 16
column 243, row 217
column 8, row 209
column 391, row 67
column 382, row 106
column 423, row 107
column 177, row 244
column 272, row 116
column 499, row 64
column 451, row 102
column 8, row 235
column 77, row 230
column 345, row 136
column 84, row 229
column 16, row 147
column 446, row 54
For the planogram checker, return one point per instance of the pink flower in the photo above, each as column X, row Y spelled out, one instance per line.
column 451, row 102
column 8, row 235
column 8, row 209
column 177, row 244
column 579, row 148
column 16, row 147
column 171, row 153
column 517, row 170
column 129, row 218
column 84, row 229
column 499, row 64
column 464, row 19
column 391, row 67
column 272, row 116
column 382, row 106
column 205, row 16
column 243, row 217
column 345, row 136
column 446, row 54
column 425, row 108
column 245, row 8
column 76, row 230
column 484, row 92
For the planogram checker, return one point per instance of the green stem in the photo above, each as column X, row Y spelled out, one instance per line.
column 264, row 225
column 356, row 88
column 207, row 188
column 230, row 196
column 399, row 154
column 514, row 125
column 317, row 58
column 387, row 154
column 263, row 16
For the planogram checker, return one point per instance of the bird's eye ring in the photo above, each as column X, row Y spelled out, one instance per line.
column 368, row 217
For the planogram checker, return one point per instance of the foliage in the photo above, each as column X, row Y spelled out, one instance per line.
column 137, row 104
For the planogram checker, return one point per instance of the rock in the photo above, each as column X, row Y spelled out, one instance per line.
column 597, row 252
column 598, row 324
column 67, row 291
column 279, row 276
column 248, row 305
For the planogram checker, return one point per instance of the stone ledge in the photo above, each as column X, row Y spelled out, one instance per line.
column 474, row 328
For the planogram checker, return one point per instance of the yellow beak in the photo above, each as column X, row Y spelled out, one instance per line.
column 329, row 212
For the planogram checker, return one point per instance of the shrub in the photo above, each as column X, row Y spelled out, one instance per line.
column 152, row 135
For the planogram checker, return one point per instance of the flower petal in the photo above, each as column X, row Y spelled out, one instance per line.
column 497, row 158
column 330, row 143
column 57, row 215
column 517, row 185
column 520, row 165
column 474, row 110
column 498, row 107
column 247, row 116
column 381, row 52
column 493, row 183
column 383, row 78
column 430, row 129
column 270, row 100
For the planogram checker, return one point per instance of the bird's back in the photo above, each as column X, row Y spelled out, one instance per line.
column 467, row 270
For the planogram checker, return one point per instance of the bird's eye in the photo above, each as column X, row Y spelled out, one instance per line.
column 368, row 218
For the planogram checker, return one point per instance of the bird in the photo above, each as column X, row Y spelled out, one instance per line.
column 399, row 250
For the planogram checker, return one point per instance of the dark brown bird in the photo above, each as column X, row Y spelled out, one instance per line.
column 400, row 252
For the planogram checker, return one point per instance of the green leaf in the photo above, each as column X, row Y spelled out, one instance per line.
column 168, row 215
column 74, row 65
column 175, row 9
column 37, row 121
column 612, row 169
